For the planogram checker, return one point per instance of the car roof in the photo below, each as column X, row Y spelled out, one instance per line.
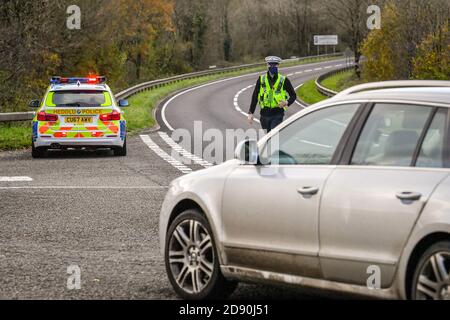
column 409, row 91
column 81, row 87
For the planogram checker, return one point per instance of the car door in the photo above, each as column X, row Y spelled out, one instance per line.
column 371, row 202
column 270, row 212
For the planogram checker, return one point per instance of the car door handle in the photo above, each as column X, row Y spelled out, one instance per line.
column 308, row 191
column 409, row 196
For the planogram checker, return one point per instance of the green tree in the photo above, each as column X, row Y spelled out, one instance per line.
column 382, row 54
column 433, row 58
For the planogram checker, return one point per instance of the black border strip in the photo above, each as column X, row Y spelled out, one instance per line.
column 339, row 152
column 423, row 135
column 446, row 154
column 355, row 135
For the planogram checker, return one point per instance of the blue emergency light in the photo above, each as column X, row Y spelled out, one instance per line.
column 88, row 80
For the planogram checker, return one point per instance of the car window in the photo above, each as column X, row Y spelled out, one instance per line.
column 390, row 135
column 310, row 140
column 81, row 98
column 431, row 153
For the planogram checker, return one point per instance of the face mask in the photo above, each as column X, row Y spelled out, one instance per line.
column 273, row 69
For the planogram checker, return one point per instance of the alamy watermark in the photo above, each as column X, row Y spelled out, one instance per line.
column 374, row 279
column 212, row 145
column 73, row 21
column 374, row 20
column 74, row 279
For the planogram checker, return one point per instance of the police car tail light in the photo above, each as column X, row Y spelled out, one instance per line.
column 42, row 116
column 114, row 116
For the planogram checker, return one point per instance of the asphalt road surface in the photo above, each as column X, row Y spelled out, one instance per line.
column 100, row 212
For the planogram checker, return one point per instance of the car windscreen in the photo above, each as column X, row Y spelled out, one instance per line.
column 78, row 98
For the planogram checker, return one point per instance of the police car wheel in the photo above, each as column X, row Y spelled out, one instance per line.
column 121, row 152
column 191, row 259
column 38, row 152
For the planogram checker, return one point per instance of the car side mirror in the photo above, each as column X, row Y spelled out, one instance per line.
column 247, row 152
column 34, row 104
column 124, row 103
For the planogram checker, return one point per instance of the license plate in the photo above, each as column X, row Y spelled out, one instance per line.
column 78, row 119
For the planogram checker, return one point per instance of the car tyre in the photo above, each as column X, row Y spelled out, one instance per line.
column 431, row 280
column 121, row 152
column 37, row 153
column 191, row 259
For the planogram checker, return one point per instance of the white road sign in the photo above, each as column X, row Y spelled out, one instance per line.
column 330, row 40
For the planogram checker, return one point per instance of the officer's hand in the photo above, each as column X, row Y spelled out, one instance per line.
column 282, row 104
column 250, row 119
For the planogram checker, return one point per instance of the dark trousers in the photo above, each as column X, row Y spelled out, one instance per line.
column 270, row 122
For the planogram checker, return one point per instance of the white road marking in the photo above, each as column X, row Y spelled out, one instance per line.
column 316, row 144
column 15, row 179
column 163, row 110
column 298, row 102
column 317, row 69
column 236, row 102
column 184, row 153
column 162, row 154
column 336, row 122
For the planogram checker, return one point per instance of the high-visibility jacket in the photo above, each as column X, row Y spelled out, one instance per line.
column 270, row 97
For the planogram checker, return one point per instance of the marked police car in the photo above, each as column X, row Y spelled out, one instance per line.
column 79, row 113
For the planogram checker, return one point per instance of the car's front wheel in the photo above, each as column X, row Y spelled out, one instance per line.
column 191, row 259
column 431, row 279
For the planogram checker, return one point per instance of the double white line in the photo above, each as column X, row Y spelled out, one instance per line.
column 163, row 155
column 171, row 160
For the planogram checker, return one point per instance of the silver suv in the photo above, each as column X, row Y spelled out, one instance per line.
column 352, row 194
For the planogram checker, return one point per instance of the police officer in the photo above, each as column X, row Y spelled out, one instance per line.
column 270, row 93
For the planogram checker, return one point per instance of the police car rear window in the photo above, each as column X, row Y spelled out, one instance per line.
column 78, row 98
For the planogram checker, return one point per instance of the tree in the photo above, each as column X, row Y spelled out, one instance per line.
column 145, row 19
column 398, row 49
column 379, row 49
column 433, row 58
column 351, row 16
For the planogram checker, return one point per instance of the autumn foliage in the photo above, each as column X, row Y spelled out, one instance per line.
column 413, row 43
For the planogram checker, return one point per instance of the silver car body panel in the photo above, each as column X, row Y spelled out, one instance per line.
column 205, row 188
column 252, row 275
column 363, row 223
column 281, row 240
column 435, row 218
column 348, row 201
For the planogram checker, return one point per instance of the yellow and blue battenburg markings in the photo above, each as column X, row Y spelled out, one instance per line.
column 56, row 129
column 35, row 131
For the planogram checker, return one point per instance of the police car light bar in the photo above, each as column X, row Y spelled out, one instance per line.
column 89, row 80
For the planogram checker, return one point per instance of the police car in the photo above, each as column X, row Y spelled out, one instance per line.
column 78, row 113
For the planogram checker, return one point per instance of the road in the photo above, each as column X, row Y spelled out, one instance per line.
column 100, row 212
column 224, row 104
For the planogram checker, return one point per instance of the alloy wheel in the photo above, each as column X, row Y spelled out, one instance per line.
column 191, row 256
column 433, row 282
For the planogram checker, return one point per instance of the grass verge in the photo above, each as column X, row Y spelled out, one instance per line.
column 309, row 94
column 17, row 135
column 341, row 81
column 338, row 82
